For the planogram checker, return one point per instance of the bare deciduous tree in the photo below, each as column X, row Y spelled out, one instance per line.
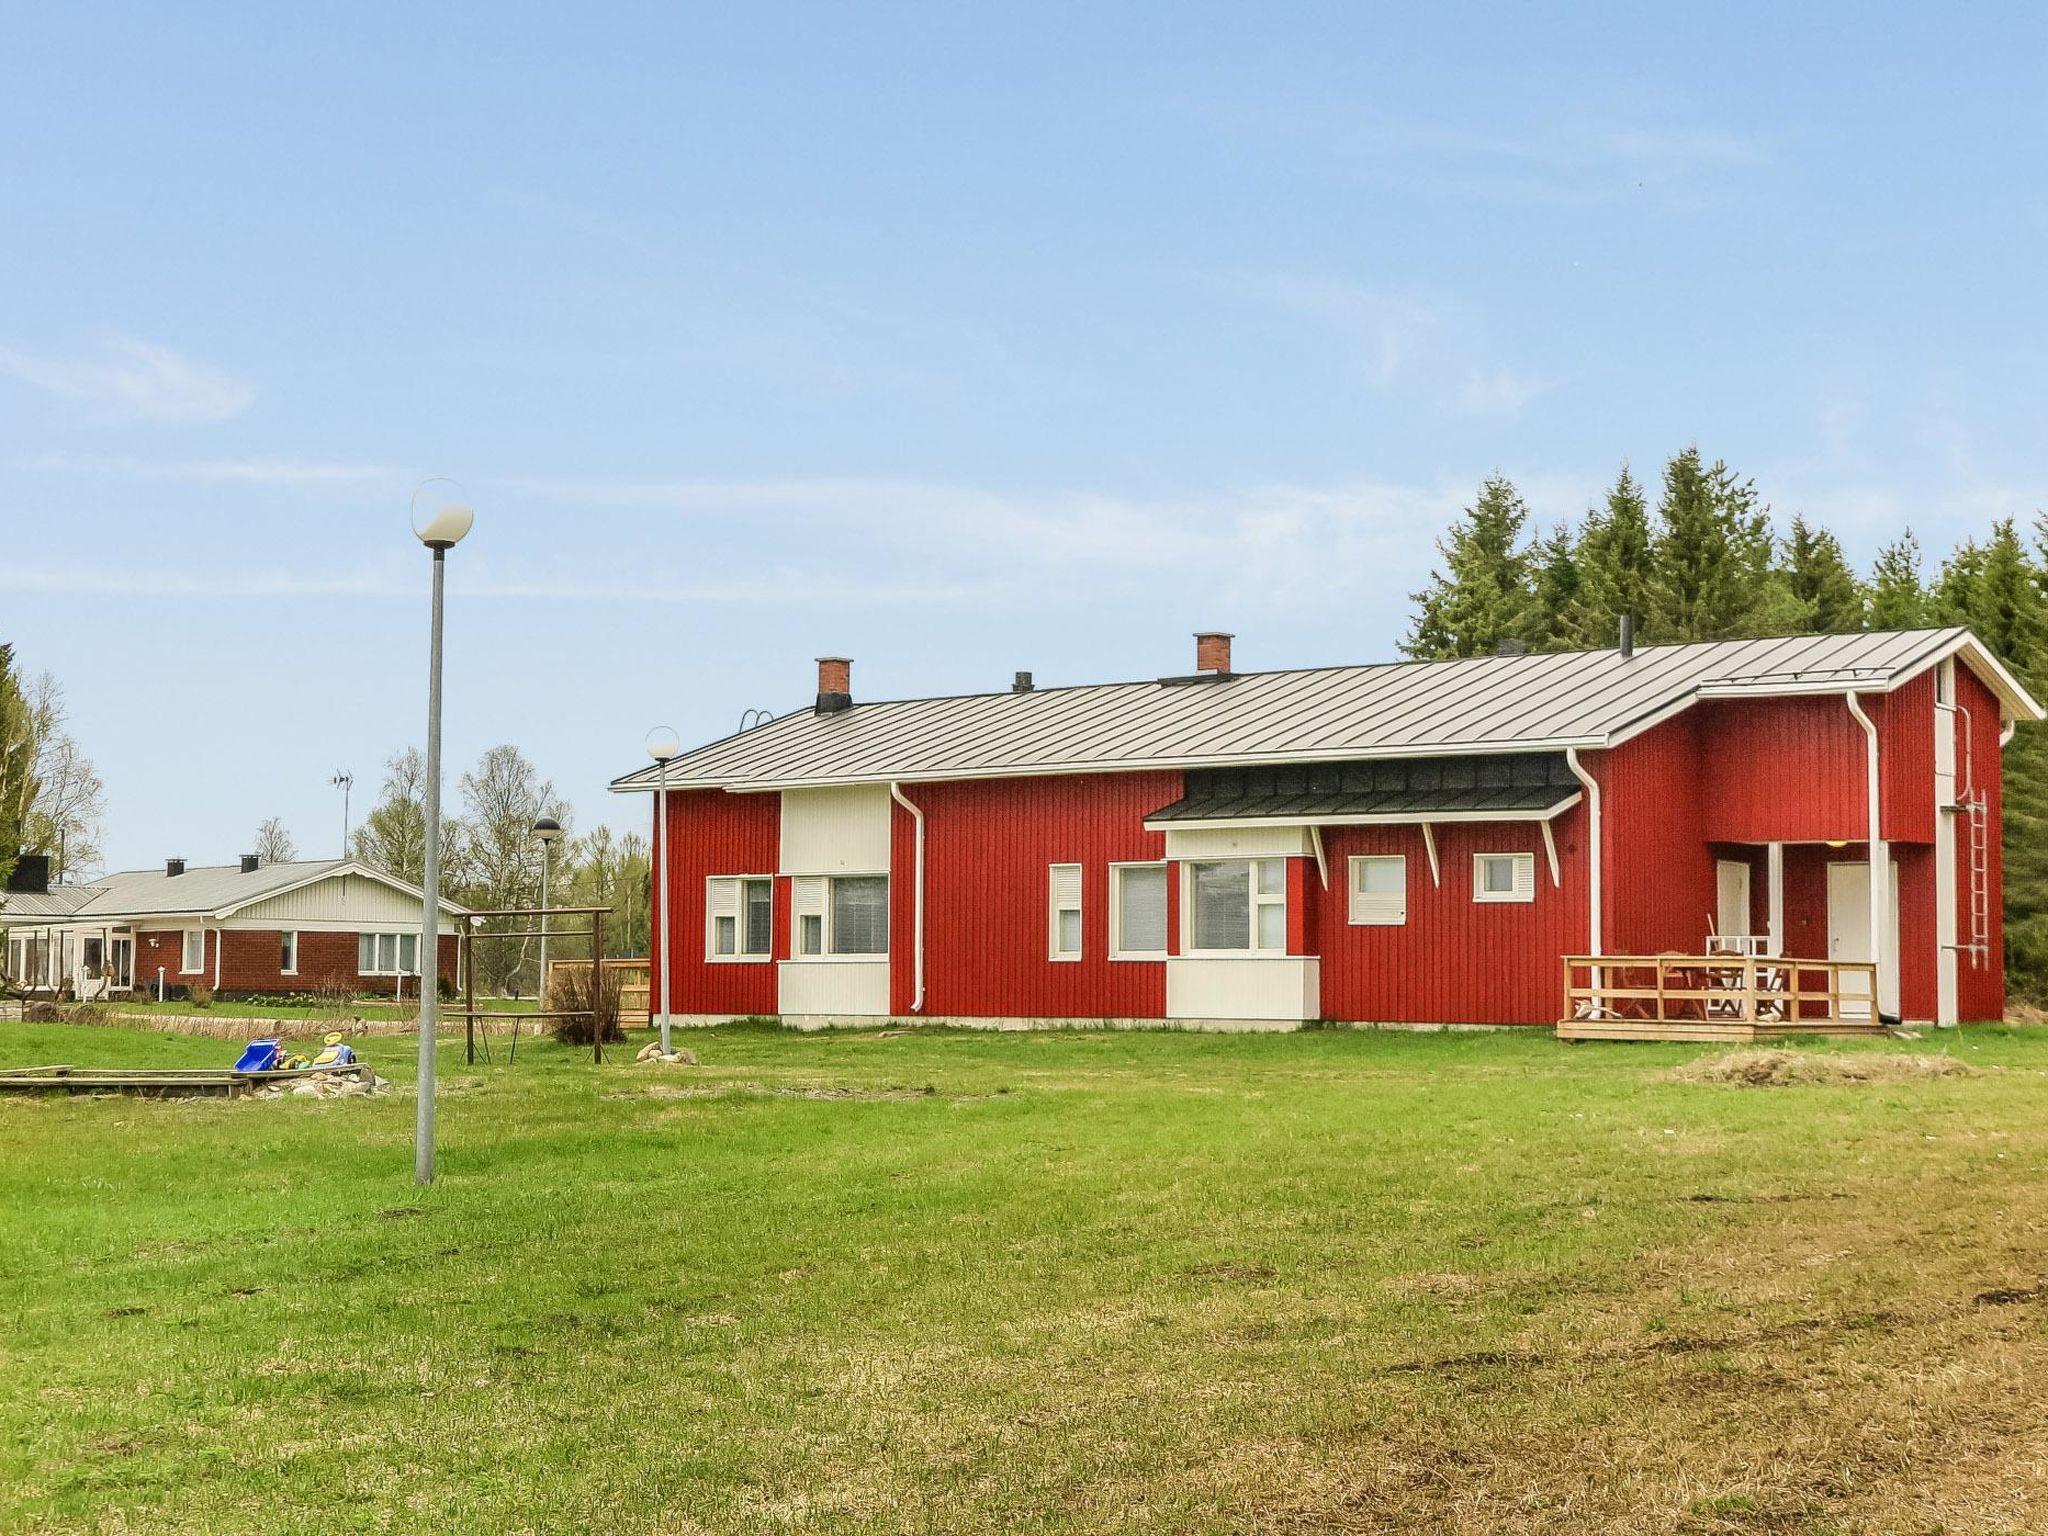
column 274, row 843
column 69, row 811
column 495, row 859
column 393, row 837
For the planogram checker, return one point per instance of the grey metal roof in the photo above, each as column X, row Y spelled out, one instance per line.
column 1485, row 704
column 201, row 890
column 1524, row 783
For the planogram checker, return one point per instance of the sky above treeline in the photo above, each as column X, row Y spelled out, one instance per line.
column 956, row 339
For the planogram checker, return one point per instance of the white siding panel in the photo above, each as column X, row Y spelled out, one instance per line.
column 1239, row 843
column 836, row 831
column 833, row 988
column 1250, row 987
column 340, row 903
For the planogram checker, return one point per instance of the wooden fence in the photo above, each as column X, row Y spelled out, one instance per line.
column 635, row 986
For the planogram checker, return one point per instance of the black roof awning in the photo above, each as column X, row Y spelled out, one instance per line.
column 1518, row 786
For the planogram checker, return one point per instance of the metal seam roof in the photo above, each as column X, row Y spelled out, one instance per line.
column 1485, row 704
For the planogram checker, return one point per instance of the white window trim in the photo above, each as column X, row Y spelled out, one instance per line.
column 1523, row 886
column 739, row 956
column 824, row 916
column 1055, row 904
column 185, row 952
column 293, row 935
column 1187, row 910
column 1117, row 951
column 1373, row 910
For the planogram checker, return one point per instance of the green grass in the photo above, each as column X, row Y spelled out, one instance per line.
column 362, row 1008
column 1032, row 1282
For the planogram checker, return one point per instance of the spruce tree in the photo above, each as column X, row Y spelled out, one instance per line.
column 1898, row 596
column 1711, row 555
column 1556, row 587
column 1481, row 595
column 1828, row 598
column 17, row 764
column 1614, row 561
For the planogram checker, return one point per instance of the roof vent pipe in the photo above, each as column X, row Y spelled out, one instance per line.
column 1022, row 683
column 835, row 684
column 249, row 863
column 173, row 868
column 1628, row 636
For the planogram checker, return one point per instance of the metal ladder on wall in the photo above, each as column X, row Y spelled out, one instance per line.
column 1975, row 807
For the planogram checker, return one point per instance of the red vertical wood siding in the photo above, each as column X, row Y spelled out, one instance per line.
column 1456, row 960
column 1905, row 761
column 1657, row 891
column 1781, row 770
column 987, row 847
column 1980, row 986
column 715, row 833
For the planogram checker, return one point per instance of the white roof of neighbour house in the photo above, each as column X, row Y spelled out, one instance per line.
column 1404, row 709
column 210, row 891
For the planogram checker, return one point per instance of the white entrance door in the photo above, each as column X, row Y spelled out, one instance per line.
column 1731, row 885
column 1849, row 930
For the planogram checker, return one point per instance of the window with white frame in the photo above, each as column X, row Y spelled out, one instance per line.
column 1237, row 906
column 388, row 954
column 1379, row 889
column 841, row 915
column 288, row 953
column 1137, row 911
column 1064, row 916
column 739, row 917
column 193, row 960
column 1504, row 877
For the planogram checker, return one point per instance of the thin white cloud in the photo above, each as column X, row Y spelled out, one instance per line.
column 1401, row 342
column 245, row 471
column 134, row 381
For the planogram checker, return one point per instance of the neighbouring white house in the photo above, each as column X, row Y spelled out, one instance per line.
column 246, row 928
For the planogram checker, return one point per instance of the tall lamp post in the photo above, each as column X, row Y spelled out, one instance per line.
column 662, row 744
column 546, row 831
column 440, row 526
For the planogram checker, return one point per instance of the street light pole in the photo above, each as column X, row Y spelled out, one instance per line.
column 440, row 531
column 546, row 829
column 662, row 744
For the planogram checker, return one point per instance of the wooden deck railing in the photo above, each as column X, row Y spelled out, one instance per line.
column 1712, row 990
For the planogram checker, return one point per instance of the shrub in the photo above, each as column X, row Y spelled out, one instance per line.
column 200, row 995
column 570, row 992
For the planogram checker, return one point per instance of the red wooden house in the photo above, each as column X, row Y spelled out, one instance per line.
column 1421, row 843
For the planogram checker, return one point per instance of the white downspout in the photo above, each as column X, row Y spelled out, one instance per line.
column 2005, row 733
column 917, row 918
column 1880, row 856
column 1593, row 883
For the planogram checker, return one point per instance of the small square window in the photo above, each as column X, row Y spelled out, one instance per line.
column 1504, row 877
column 1379, row 889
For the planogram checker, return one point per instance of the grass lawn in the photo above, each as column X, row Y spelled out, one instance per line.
column 949, row 1282
column 361, row 1008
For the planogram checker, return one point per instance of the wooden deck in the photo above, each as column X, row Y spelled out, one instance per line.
column 1716, row 997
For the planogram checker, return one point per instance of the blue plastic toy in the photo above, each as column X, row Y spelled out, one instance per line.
column 260, row 1056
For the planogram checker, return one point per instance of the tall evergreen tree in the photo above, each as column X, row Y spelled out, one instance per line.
column 1829, row 599
column 18, row 781
column 1615, row 550
column 1481, row 596
column 1898, row 595
column 1556, row 585
column 1711, row 555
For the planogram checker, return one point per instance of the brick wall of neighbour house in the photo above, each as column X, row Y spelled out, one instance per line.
column 1455, row 960
column 989, row 848
column 715, row 833
column 250, row 961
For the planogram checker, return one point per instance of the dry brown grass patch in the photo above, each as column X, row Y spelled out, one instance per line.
column 1782, row 1068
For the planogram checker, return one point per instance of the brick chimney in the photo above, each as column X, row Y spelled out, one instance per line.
column 1212, row 651
column 174, row 867
column 835, row 684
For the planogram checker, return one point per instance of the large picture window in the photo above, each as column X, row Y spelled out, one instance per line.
column 1137, row 911
column 1237, row 906
column 739, row 917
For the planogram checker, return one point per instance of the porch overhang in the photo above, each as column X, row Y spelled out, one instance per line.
column 1533, row 786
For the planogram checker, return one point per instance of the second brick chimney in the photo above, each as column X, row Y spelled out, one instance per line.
column 1212, row 651
column 835, row 684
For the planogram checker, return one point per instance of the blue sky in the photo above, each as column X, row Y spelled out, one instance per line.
column 955, row 339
